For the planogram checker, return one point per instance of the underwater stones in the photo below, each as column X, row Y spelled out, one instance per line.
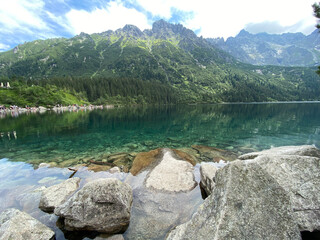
column 114, row 170
column 211, row 154
column 184, row 155
column 207, row 174
column 171, row 174
column 102, row 205
column 56, row 195
column 246, row 203
column 18, row 225
column 143, row 160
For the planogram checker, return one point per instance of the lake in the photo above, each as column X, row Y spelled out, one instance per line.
column 67, row 139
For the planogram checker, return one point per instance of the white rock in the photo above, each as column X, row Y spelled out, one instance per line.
column 56, row 195
column 207, row 174
column 171, row 175
column 17, row 225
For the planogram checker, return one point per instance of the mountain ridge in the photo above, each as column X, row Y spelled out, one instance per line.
column 287, row 49
column 168, row 54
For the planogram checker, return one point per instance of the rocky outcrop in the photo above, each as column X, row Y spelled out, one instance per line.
column 171, row 174
column 246, row 204
column 297, row 170
column 18, row 225
column 207, row 175
column 102, row 205
column 304, row 150
column 56, row 195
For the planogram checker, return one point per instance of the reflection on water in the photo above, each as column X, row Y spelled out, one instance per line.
column 73, row 136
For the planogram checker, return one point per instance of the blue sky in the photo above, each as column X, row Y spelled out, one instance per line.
column 27, row 20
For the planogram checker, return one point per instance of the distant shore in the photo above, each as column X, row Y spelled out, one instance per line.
column 15, row 110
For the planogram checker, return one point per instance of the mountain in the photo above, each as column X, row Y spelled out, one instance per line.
column 288, row 49
column 167, row 63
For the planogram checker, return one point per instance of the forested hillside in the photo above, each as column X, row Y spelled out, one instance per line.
column 166, row 64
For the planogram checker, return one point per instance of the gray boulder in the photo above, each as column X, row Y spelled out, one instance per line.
column 297, row 170
column 246, row 203
column 102, row 205
column 171, row 174
column 56, row 195
column 304, row 150
column 207, row 174
column 18, row 225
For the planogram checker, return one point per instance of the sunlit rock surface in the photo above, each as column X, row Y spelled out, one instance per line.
column 18, row 225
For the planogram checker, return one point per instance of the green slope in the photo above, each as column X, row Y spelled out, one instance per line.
column 188, row 67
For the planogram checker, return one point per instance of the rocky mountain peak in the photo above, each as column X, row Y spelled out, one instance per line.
column 165, row 29
column 131, row 30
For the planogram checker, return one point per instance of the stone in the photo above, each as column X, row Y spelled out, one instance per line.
column 185, row 156
column 98, row 167
column 102, row 205
column 207, row 175
column 300, row 177
column 18, row 225
column 56, row 195
column 114, row 170
column 304, row 150
column 171, row 174
column 212, row 154
column 44, row 165
column 246, row 203
column 143, row 160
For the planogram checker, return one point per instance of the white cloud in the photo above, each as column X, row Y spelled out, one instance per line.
column 4, row 47
column 218, row 18
column 21, row 14
column 112, row 17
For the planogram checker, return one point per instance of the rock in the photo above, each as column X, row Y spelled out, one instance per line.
column 207, row 174
column 113, row 237
column 56, row 195
column 18, row 225
column 98, row 167
column 44, row 165
column 300, row 177
column 114, row 170
column 171, row 174
column 143, row 160
column 211, row 154
column 102, row 205
column 246, row 203
column 304, row 150
column 185, row 156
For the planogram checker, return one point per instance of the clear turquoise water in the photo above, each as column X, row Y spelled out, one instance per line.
column 71, row 136
column 241, row 127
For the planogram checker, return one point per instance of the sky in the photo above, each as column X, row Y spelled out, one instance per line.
column 27, row 20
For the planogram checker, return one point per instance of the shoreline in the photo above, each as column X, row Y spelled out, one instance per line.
column 15, row 110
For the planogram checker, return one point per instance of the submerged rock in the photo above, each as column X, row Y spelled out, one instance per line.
column 212, row 154
column 102, row 205
column 207, row 174
column 56, row 195
column 171, row 174
column 18, row 225
column 246, row 203
column 143, row 160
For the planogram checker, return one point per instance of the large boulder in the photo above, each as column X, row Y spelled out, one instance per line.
column 207, row 174
column 297, row 170
column 18, row 225
column 246, row 203
column 171, row 174
column 56, row 195
column 304, row 150
column 102, row 205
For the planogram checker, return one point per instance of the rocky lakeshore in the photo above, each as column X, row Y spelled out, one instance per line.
column 272, row 194
column 16, row 111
